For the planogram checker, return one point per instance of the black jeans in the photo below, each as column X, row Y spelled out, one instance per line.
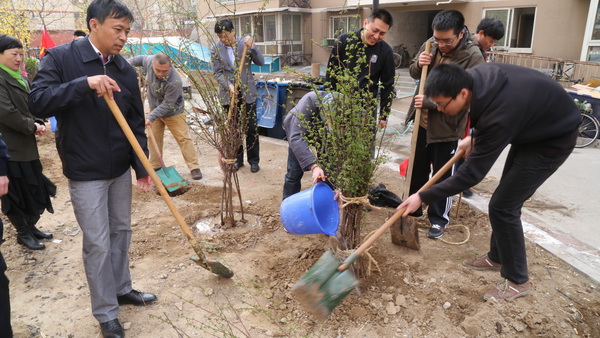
column 292, row 181
column 524, row 172
column 432, row 155
column 252, row 143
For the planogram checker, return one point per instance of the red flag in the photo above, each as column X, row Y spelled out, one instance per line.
column 404, row 167
column 47, row 42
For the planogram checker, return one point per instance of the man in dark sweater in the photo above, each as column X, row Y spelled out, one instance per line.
column 507, row 105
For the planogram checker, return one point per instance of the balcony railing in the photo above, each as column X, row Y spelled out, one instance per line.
column 295, row 3
column 565, row 71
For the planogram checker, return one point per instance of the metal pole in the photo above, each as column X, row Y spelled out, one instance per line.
column 375, row 4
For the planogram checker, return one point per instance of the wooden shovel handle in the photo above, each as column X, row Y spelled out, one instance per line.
column 142, row 156
column 235, row 82
column 399, row 213
column 154, row 145
column 415, row 132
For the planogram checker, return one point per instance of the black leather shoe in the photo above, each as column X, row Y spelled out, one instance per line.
column 112, row 329
column 237, row 166
column 39, row 234
column 254, row 167
column 136, row 298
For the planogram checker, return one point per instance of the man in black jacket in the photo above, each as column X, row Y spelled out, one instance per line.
column 95, row 153
column 378, row 70
column 507, row 105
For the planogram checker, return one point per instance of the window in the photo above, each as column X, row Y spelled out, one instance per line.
column 258, row 29
column 291, row 27
column 274, row 34
column 519, row 25
column 593, row 54
column 243, row 25
column 343, row 24
column 596, row 30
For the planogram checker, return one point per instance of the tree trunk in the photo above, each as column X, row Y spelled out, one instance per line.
column 350, row 234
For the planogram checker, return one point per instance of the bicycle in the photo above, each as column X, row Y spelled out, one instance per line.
column 401, row 57
column 589, row 127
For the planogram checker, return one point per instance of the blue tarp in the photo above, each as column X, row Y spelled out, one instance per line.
column 185, row 53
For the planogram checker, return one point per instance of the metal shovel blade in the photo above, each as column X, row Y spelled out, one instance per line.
column 405, row 232
column 323, row 287
column 215, row 267
column 171, row 179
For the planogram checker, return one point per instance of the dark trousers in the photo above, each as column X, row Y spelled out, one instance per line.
column 524, row 172
column 5, row 327
column 427, row 156
column 292, row 182
column 252, row 145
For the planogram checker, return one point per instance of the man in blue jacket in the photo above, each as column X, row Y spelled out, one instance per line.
column 508, row 105
column 95, row 153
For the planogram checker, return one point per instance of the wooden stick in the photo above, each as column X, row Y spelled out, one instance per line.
column 235, row 81
column 415, row 133
column 154, row 145
column 142, row 156
column 458, row 204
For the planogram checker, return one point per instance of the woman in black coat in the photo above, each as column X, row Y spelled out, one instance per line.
column 29, row 190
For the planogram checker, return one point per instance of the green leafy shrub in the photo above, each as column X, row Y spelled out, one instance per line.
column 31, row 65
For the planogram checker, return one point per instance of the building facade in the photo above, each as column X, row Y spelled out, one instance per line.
column 549, row 28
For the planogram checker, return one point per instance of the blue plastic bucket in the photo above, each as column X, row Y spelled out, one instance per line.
column 53, row 123
column 312, row 211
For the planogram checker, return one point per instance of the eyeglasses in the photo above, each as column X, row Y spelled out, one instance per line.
column 437, row 105
column 443, row 42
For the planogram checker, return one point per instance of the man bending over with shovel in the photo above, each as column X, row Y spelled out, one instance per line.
column 512, row 105
column 165, row 97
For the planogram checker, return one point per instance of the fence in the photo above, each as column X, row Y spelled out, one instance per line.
column 565, row 71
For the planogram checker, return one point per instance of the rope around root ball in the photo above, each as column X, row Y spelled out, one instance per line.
column 228, row 160
column 461, row 242
column 343, row 254
column 361, row 200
